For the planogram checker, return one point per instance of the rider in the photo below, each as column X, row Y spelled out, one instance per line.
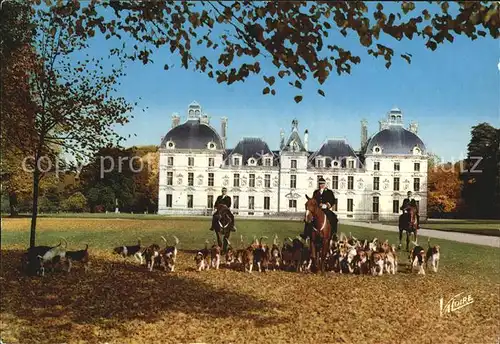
column 222, row 199
column 410, row 202
column 325, row 199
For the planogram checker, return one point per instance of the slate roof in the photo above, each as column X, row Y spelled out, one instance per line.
column 192, row 135
column 395, row 140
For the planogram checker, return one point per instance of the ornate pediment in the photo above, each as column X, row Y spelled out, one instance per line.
column 251, row 189
column 210, row 189
column 236, row 189
column 293, row 195
column 190, row 188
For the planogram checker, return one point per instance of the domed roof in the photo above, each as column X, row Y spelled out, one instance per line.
column 395, row 140
column 192, row 135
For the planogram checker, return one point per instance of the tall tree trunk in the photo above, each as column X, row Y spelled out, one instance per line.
column 34, row 214
column 13, row 203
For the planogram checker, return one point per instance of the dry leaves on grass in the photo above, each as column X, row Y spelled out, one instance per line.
column 123, row 303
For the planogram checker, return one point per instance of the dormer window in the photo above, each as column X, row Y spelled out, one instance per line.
column 211, row 145
column 236, row 161
column 252, row 162
column 170, row 144
column 377, row 149
column 267, row 162
column 350, row 163
column 320, row 163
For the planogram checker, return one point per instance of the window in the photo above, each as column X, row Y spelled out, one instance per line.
column 292, row 203
column 267, row 203
column 350, row 204
column 416, row 184
column 416, row 167
column 190, row 161
column 267, row 162
column 210, row 201
column 396, row 166
column 170, row 161
column 170, row 178
column 210, row 179
column 293, row 163
column 236, row 202
column 251, row 204
column 396, row 184
column 267, row 180
column 335, row 205
column 351, row 164
column 236, row 161
column 190, row 201
column 190, row 179
column 319, row 163
column 251, row 181
column 293, row 182
column 236, row 180
column 395, row 206
column 169, row 200
column 376, row 182
column 335, row 182
column 376, row 166
column 375, row 204
column 211, row 162
column 350, row 182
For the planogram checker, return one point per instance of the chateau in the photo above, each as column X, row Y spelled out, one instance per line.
column 369, row 184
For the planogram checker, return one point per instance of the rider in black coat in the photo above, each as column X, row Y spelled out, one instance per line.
column 410, row 202
column 222, row 199
column 325, row 199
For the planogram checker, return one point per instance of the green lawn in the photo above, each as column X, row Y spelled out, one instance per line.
column 123, row 303
column 480, row 227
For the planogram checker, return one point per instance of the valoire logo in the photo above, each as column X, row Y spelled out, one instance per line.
column 456, row 302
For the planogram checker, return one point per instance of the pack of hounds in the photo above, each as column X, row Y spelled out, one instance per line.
column 347, row 255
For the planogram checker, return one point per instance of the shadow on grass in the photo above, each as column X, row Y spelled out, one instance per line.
column 110, row 296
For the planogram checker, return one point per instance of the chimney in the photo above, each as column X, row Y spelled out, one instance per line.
column 413, row 127
column 223, row 130
column 176, row 119
column 204, row 119
column 364, row 132
column 306, row 140
column 282, row 139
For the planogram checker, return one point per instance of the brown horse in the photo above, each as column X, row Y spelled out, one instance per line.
column 321, row 232
column 225, row 221
column 408, row 222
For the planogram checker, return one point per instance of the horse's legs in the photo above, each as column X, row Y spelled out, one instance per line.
column 400, row 236
column 324, row 251
column 313, row 250
column 407, row 241
column 219, row 242
column 226, row 239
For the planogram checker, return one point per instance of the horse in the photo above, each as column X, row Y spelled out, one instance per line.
column 225, row 224
column 322, row 233
column 408, row 223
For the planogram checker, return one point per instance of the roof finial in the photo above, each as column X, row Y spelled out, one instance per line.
column 295, row 124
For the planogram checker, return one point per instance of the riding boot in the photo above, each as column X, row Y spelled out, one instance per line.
column 214, row 223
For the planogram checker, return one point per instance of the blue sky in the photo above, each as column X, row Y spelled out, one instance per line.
column 446, row 91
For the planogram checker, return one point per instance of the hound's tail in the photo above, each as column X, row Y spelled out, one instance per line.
column 429, row 242
column 138, row 241
column 164, row 239
column 176, row 240
column 260, row 241
column 86, row 247
column 275, row 241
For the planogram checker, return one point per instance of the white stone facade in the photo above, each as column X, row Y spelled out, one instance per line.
column 195, row 165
